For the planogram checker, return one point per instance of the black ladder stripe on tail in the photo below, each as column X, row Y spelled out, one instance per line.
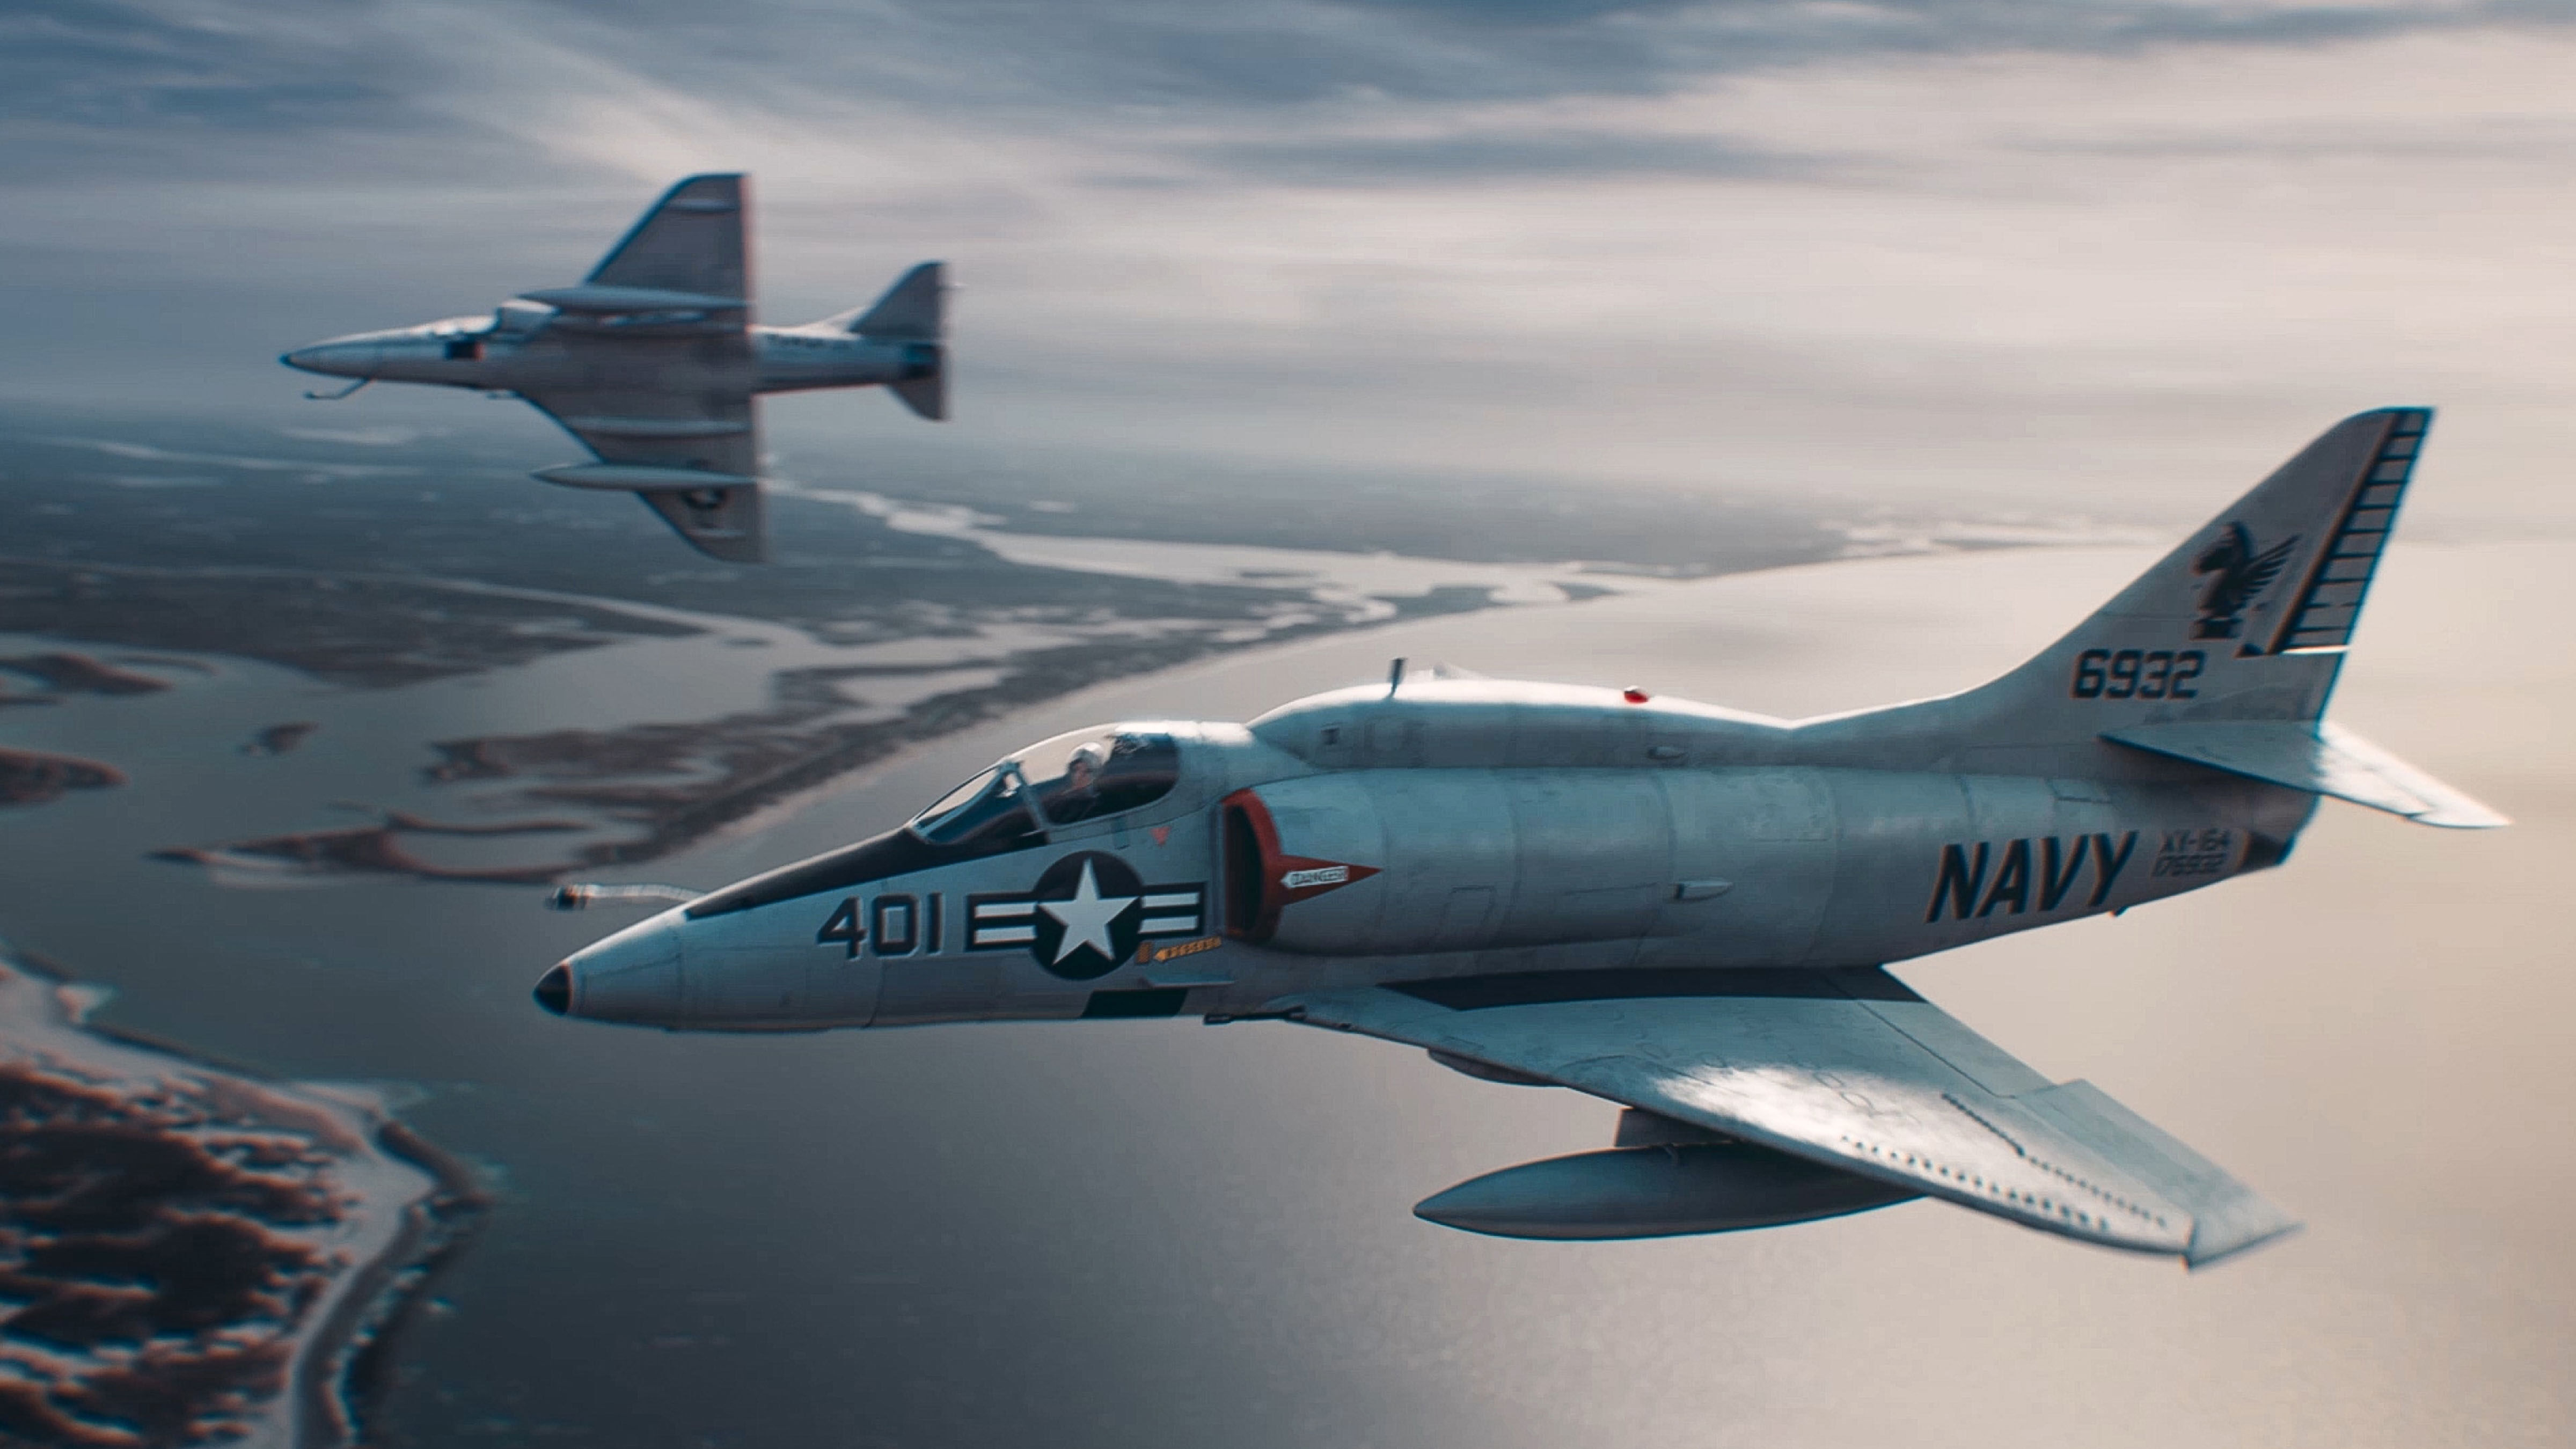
column 2330, row 603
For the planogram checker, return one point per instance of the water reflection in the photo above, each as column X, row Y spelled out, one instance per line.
column 1112, row 1233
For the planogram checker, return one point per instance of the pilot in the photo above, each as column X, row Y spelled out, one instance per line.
column 1082, row 772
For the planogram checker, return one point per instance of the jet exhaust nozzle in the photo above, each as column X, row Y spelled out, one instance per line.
column 1654, row 1192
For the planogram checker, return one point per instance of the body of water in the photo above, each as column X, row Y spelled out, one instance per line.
column 1134, row 1233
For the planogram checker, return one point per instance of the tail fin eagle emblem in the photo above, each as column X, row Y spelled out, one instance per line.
column 2243, row 575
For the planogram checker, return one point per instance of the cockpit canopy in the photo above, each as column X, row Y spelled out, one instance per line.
column 520, row 316
column 511, row 318
column 1085, row 775
column 1081, row 775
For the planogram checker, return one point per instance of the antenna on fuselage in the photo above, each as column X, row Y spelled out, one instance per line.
column 1395, row 676
column 336, row 396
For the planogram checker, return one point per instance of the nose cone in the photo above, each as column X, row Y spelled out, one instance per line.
column 340, row 357
column 554, row 989
column 633, row 976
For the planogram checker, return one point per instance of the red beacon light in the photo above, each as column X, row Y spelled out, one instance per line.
column 1633, row 695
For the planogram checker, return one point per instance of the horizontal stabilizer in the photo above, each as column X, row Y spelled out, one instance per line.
column 2323, row 760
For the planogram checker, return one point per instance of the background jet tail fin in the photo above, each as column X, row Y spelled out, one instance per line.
column 914, row 309
column 914, row 312
column 927, row 396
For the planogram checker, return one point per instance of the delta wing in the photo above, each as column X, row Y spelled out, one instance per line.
column 1848, row 1068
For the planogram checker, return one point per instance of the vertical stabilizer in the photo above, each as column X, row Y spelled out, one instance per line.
column 2246, row 621
column 914, row 309
column 913, row 313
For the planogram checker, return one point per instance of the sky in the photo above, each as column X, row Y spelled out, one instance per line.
column 2102, row 257
column 2106, row 259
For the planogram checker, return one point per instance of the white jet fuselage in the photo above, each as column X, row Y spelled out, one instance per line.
column 1678, row 908
column 1453, row 829
column 538, row 351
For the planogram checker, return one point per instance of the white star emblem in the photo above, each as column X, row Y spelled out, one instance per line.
column 1086, row 918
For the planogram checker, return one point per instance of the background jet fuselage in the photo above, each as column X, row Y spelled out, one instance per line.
column 527, row 348
column 652, row 363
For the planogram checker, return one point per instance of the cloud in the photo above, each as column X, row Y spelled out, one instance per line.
column 95, row 88
column 1815, row 243
column 1274, row 54
column 1469, row 156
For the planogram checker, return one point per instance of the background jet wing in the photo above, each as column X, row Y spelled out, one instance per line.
column 1848, row 1068
column 693, row 456
column 691, row 241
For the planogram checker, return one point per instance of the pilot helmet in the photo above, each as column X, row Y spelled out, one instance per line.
column 1088, row 762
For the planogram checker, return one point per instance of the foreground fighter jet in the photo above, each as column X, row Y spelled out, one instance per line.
column 653, row 362
column 1677, row 907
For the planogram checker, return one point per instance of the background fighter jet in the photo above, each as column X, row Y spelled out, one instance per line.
column 1684, row 909
column 653, row 362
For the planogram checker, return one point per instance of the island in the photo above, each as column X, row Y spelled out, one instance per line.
column 193, row 1255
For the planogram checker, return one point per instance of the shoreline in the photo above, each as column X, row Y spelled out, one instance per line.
column 646, row 789
column 361, row 1214
column 345, row 1391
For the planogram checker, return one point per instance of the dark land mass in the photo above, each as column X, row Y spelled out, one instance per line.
column 377, row 566
column 80, row 674
column 674, row 783
column 718, row 771
column 281, row 739
column 714, row 772
column 167, row 1238
column 332, row 517
column 363, row 631
column 29, row 778
column 106, row 1195
column 378, row 849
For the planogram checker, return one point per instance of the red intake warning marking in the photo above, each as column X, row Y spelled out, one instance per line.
column 1301, row 878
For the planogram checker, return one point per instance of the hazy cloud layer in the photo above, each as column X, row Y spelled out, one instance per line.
column 1963, row 248
column 262, row 67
